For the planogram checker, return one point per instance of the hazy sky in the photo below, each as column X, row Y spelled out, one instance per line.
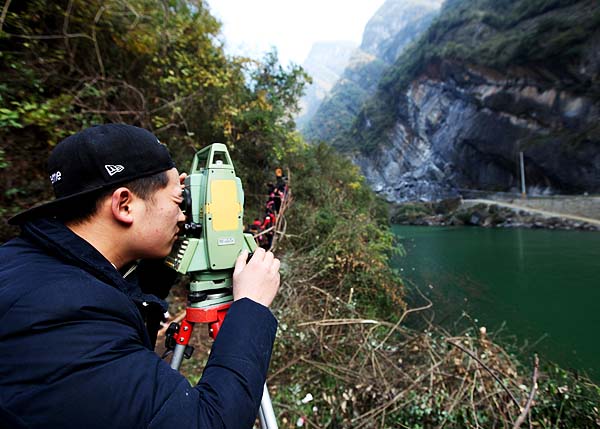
column 252, row 27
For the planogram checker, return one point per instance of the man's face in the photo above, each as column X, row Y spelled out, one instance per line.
column 157, row 226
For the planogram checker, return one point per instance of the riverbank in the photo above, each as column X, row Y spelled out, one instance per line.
column 488, row 214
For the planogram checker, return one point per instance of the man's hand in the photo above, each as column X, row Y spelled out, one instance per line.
column 258, row 279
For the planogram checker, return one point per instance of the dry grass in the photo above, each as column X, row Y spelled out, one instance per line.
column 363, row 372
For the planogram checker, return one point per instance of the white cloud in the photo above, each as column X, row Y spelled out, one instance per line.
column 252, row 27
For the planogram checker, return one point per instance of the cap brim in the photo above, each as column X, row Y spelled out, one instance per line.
column 50, row 208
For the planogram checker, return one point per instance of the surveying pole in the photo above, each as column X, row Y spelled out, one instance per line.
column 523, row 193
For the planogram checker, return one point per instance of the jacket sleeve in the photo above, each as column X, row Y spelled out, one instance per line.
column 230, row 390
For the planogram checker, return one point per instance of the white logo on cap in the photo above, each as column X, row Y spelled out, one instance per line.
column 55, row 177
column 114, row 169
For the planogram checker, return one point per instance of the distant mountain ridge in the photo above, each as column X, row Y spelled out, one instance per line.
column 388, row 32
column 395, row 24
column 325, row 64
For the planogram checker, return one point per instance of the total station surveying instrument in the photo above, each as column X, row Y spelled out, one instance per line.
column 212, row 239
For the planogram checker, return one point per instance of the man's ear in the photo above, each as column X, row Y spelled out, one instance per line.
column 121, row 205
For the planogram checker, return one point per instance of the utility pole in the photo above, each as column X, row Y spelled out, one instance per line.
column 523, row 192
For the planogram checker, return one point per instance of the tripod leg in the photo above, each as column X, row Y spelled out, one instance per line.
column 177, row 356
column 266, row 415
column 182, row 339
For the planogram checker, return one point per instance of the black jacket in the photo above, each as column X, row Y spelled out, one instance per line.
column 74, row 351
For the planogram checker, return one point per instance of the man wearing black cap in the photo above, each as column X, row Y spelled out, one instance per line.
column 75, row 351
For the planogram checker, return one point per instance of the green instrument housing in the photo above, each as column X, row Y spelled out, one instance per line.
column 215, row 236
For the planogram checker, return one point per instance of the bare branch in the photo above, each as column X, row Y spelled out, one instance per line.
column 50, row 36
column 67, row 17
column 137, row 15
column 4, row 12
column 470, row 353
column 406, row 313
column 113, row 112
column 534, row 386
column 376, row 411
column 96, row 46
column 66, row 31
column 338, row 322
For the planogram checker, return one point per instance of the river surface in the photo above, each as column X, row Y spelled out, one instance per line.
column 541, row 286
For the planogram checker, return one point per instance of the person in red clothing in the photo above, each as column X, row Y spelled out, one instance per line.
column 255, row 229
column 256, row 225
column 268, row 222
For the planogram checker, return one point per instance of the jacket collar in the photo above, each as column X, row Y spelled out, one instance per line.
column 59, row 241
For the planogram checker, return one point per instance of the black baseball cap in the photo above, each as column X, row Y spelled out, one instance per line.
column 97, row 158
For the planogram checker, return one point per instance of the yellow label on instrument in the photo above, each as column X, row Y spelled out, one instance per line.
column 225, row 206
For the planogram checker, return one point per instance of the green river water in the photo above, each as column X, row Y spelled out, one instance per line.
column 544, row 286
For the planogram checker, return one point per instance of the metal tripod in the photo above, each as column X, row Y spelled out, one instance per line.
column 214, row 317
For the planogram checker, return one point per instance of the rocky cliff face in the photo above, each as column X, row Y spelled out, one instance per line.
column 463, row 127
column 460, row 125
column 386, row 34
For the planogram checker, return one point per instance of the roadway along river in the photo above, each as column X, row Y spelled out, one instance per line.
column 544, row 284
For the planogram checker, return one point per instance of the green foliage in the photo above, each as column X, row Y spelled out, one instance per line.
column 260, row 128
column 9, row 118
column 66, row 65
column 408, row 212
column 566, row 401
column 3, row 163
column 343, row 229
